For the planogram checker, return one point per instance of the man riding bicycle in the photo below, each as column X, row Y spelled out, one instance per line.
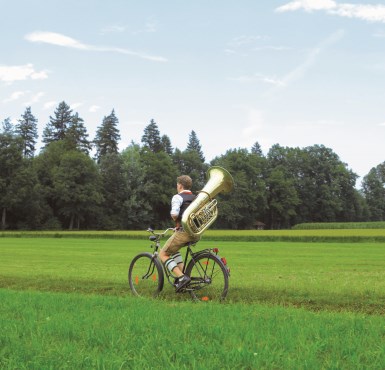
column 170, row 254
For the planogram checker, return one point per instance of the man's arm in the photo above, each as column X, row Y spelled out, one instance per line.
column 176, row 203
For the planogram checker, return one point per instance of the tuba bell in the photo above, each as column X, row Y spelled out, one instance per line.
column 203, row 211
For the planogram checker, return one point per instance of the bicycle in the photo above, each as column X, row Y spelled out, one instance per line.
column 208, row 272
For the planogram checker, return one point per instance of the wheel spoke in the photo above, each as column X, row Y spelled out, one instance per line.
column 209, row 280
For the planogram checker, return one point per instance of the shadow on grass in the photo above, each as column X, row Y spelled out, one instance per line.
column 49, row 284
column 368, row 304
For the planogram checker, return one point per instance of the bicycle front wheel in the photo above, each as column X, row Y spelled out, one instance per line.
column 145, row 275
column 209, row 278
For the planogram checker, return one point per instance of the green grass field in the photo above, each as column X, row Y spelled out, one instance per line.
column 65, row 303
column 370, row 232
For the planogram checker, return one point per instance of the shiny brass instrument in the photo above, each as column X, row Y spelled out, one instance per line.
column 203, row 211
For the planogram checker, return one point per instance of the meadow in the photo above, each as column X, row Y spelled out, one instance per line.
column 339, row 233
column 65, row 303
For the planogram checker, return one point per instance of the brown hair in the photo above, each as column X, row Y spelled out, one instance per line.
column 185, row 181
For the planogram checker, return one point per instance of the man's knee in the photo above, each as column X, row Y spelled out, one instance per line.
column 163, row 254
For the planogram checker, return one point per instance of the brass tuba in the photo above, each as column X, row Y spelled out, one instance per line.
column 203, row 211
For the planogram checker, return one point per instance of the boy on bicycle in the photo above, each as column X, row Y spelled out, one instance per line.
column 170, row 254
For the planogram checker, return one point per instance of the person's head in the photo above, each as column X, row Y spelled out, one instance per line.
column 184, row 181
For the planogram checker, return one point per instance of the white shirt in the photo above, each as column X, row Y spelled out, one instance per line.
column 176, row 203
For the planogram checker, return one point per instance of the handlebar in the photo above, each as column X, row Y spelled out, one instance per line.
column 159, row 235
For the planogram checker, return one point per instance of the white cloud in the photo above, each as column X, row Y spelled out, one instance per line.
column 14, row 96
column 371, row 13
column 49, row 104
column 113, row 29
column 65, row 41
column 367, row 12
column 242, row 45
column 295, row 73
column 299, row 71
column 245, row 40
column 381, row 124
column 150, row 26
column 35, row 98
column 11, row 74
column 54, row 39
column 307, row 5
column 93, row 108
column 259, row 78
column 272, row 47
column 75, row 105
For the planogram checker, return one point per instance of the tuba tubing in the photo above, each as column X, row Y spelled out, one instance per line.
column 203, row 211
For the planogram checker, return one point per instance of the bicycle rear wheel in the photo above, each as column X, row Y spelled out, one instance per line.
column 209, row 278
column 145, row 275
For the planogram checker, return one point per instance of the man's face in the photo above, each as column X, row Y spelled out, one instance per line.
column 179, row 187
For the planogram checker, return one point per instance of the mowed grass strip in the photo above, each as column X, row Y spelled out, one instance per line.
column 353, row 235
column 318, row 276
column 340, row 225
column 74, row 331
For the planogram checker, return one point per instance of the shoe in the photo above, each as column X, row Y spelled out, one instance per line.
column 181, row 283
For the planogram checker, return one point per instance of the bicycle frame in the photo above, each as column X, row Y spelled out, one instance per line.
column 190, row 255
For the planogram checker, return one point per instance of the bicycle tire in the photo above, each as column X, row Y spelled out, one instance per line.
column 145, row 275
column 209, row 278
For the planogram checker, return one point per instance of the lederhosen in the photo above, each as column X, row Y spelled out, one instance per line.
column 179, row 238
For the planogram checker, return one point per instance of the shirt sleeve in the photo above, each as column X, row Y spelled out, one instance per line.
column 176, row 203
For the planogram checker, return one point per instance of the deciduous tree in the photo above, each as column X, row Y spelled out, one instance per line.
column 11, row 159
column 373, row 186
column 247, row 202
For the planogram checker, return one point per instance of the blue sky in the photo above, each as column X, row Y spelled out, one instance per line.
column 296, row 73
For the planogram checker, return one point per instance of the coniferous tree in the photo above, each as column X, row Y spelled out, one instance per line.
column 166, row 143
column 27, row 130
column 77, row 134
column 151, row 138
column 195, row 145
column 189, row 163
column 7, row 127
column 107, row 136
column 57, row 127
column 256, row 149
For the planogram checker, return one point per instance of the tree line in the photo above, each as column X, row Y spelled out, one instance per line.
column 64, row 186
